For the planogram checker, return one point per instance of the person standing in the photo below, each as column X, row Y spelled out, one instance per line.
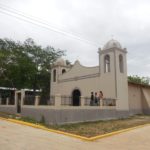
column 92, row 99
column 101, row 97
column 96, row 99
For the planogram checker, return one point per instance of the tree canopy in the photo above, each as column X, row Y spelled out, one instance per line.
column 26, row 65
column 139, row 80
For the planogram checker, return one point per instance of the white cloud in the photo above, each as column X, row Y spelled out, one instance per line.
column 94, row 20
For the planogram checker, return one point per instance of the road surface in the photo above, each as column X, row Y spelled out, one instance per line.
column 19, row 137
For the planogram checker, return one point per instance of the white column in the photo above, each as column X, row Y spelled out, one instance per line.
column 16, row 96
column 7, row 101
column 82, row 100
column 57, row 100
column 22, row 96
column 37, row 100
column 0, row 100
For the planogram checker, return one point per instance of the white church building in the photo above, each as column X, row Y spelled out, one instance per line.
column 110, row 77
column 71, row 87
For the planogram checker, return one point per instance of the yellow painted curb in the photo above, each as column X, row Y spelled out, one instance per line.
column 44, row 128
column 116, row 132
column 72, row 135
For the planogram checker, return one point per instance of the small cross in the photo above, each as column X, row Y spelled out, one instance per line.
column 112, row 36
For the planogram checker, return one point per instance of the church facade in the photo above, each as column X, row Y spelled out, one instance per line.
column 71, row 87
column 110, row 77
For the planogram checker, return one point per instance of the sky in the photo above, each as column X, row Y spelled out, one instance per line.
column 80, row 27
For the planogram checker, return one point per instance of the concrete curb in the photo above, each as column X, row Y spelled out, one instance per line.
column 44, row 128
column 116, row 132
column 73, row 135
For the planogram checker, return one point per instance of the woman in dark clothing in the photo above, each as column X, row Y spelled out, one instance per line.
column 92, row 99
column 96, row 99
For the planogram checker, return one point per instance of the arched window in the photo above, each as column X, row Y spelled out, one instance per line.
column 121, row 63
column 63, row 71
column 54, row 75
column 107, row 63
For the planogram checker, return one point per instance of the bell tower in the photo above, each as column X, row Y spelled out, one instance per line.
column 113, row 71
column 58, row 68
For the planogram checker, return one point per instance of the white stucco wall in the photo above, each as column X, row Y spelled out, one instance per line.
column 86, row 79
column 122, row 83
column 78, row 70
column 135, row 99
column 146, row 100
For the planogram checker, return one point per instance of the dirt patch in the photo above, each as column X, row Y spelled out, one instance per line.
column 90, row 129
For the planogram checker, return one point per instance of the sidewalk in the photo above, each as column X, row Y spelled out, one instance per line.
column 20, row 137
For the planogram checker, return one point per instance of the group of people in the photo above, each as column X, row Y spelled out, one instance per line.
column 96, row 98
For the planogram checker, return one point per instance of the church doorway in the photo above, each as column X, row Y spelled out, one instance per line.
column 76, row 97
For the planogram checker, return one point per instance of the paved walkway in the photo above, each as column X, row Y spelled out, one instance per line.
column 19, row 137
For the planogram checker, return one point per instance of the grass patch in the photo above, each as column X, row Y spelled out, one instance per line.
column 90, row 129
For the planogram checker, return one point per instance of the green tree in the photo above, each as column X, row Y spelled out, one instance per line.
column 139, row 80
column 42, row 58
column 26, row 65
